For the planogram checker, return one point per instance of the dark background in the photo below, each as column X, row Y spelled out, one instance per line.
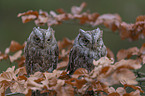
column 12, row 28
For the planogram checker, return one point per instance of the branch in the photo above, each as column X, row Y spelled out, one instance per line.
column 140, row 79
column 9, row 94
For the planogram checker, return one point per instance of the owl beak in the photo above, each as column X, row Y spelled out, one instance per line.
column 42, row 45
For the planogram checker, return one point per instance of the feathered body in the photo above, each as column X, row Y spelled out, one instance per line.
column 41, row 51
column 88, row 45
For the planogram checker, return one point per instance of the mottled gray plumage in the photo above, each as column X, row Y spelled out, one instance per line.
column 41, row 51
column 88, row 45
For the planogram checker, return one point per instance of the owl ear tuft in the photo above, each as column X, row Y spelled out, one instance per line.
column 50, row 30
column 37, row 32
column 100, row 32
column 34, row 28
column 82, row 32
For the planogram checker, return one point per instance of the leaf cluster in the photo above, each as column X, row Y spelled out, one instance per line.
column 111, row 21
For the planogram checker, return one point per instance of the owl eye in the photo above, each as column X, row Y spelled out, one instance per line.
column 37, row 39
column 48, row 40
column 85, row 41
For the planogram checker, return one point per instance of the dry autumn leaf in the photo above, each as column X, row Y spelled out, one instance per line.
column 28, row 16
column 62, row 65
column 122, row 54
column 3, row 56
column 66, row 90
column 77, row 10
column 110, row 53
column 76, row 82
column 15, row 46
column 18, row 86
column 65, row 43
column 15, row 56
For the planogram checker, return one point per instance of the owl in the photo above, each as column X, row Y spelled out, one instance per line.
column 41, row 51
column 88, row 46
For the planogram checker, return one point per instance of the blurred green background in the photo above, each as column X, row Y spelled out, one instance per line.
column 12, row 28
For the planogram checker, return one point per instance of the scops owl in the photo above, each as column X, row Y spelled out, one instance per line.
column 41, row 51
column 88, row 45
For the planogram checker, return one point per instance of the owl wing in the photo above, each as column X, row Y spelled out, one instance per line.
column 27, row 59
column 56, row 54
column 72, row 57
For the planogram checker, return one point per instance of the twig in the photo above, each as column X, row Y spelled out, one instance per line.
column 142, row 74
column 140, row 79
column 9, row 94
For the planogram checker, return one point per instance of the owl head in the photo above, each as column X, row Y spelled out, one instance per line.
column 42, row 37
column 90, row 39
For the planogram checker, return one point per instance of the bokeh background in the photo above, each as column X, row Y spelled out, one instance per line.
column 12, row 28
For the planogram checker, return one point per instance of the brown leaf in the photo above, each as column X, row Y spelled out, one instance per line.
column 64, row 55
column 21, row 61
column 122, row 54
column 51, row 79
column 125, row 30
column 129, row 64
column 7, row 50
column 142, row 49
column 28, row 18
column 76, row 82
column 136, row 93
column 77, row 10
column 15, row 46
column 18, row 86
column 15, row 56
column 9, row 75
column 43, row 13
column 22, row 78
column 111, row 21
column 66, row 90
column 60, row 11
column 31, row 84
column 29, row 93
column 21, row 71
column 3, row 56
column 30, row 12
column 64, row 76
column 143, row 59
column 121, row 90
column 2, row 90
column 140, row 18
column 99, row 87
column 125, row 76
column 41, row 20
column 101, row 66
column 80, row 71
column 62, row 65
column 132, row 31
column 3, row 86
column 110, row 53
column 65, row 43
column 134, row 87
column 114, row 94
column 104, row 61
column 117, row 73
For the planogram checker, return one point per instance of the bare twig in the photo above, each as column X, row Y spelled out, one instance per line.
column 140, row 79
column 9, row 94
